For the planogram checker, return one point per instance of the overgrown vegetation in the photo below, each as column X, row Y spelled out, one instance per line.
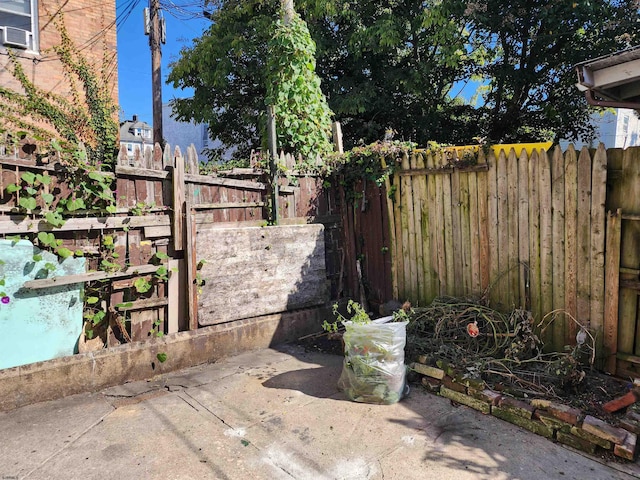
column 446, row 70
column 86, row 117
column 479, row 344
column 77, row 133
column 293, row 88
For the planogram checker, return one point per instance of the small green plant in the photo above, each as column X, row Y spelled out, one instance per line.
column 358, row 315
column 142, row 285
column 155, row 331
column 141, row 209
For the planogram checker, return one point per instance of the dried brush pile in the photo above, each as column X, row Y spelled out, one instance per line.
column 502, row 350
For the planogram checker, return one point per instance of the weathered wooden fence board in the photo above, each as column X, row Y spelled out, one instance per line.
column 570, row 240
column 558, row 262
column 258, row 271
column 612, row 289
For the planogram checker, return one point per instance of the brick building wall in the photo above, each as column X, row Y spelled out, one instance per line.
column 91, row 26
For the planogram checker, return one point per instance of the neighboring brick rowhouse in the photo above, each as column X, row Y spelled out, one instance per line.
column 91, row 26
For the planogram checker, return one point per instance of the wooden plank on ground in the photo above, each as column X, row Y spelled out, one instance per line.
column 583, row 304
column 513, row 211
column 546, row 238
column 534, row 236
column 597, row 254
column 558, row 260
column 570, row 241
column 612, row 289
column 523, row 229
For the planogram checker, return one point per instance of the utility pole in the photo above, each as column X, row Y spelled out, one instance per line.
column 155, row 40
column 287, row 8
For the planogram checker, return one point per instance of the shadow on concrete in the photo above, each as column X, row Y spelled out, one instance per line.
column 320, row 381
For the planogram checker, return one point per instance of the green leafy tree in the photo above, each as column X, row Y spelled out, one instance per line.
column 293, row 88
column 226, row 68
column 392, row 67
column 383, row 65
column 529, row 49
column 399, row 66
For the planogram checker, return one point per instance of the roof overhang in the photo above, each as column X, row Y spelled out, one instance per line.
column 612, row 80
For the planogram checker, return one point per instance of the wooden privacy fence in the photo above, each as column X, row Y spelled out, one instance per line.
column 162, row 201
column 525, row 230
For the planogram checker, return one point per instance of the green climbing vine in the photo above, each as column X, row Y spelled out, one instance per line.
column 78, row 134
column 293, row 88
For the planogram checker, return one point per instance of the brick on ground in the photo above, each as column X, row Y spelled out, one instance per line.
column 463, row 399
column 627, row 449
column 576, row 442
column 601, row 442
column 451, row 384
column 485, row 395
column 431, row 384
column 518, row 407
column 601, row 429
column 427, row 370
column 619, row 403
column 531, row 425
column 631, row 422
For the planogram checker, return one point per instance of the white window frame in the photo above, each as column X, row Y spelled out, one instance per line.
column 6, row 12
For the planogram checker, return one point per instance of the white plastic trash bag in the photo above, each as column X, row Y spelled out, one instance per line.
column 373, row 370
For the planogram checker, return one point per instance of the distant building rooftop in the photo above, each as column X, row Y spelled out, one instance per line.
column 135, row 131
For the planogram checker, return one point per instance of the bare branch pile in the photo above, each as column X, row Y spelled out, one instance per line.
column 501, row 350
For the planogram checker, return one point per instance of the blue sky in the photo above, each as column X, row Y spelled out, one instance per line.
column 134, row 56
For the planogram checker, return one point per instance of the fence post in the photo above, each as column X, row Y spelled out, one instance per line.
column 273, row 154
column 178, row 200
column 192, row 267
column 336, row 128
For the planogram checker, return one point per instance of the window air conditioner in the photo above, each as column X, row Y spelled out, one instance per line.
column 15, row 37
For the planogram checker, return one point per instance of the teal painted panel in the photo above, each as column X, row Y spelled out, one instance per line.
column 37, row 325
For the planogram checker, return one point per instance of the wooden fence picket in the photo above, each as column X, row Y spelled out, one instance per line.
column 558, row 249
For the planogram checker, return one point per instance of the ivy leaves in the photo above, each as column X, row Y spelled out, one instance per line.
column 303, row 115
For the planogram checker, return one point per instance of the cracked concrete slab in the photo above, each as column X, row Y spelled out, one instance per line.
column 33, row 434
column 273, row 415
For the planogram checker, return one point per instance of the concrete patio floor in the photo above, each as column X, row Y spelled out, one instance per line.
column 274, row 414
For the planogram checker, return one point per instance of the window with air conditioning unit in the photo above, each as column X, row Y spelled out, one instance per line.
column 19, row 24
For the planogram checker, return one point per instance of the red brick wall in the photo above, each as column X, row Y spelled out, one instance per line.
column 90, row 24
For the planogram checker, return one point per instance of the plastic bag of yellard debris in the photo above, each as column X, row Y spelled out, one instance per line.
column 373, row 370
